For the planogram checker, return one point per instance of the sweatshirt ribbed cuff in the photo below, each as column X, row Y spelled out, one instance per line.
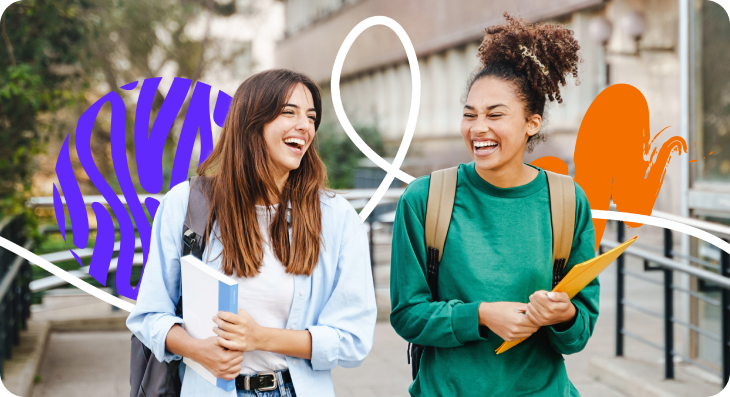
column 574, row 333
column 465, row 322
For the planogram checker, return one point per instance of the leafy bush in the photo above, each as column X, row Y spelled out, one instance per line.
column 340, row 154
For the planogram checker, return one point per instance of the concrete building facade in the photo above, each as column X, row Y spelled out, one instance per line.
column 376, row 85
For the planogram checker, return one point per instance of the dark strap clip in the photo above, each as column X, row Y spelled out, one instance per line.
column 558, row 268
column 191, row 245
column 432, row 271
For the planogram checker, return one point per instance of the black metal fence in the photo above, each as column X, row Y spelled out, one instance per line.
column 719, row 277
column 15, row 276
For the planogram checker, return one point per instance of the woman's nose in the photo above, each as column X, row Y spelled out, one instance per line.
column 302, row 123
column 480, row 126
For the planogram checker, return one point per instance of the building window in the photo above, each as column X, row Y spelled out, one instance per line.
column 710, row 143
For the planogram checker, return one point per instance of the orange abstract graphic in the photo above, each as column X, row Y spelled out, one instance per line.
column 695, row 148
column 551, row 163
column 614, row 156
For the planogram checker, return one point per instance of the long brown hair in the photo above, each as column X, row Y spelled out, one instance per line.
column 239, row 172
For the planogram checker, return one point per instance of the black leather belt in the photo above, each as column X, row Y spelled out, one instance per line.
column 263, row 381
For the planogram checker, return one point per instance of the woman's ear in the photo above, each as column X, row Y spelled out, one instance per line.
column 534, row 123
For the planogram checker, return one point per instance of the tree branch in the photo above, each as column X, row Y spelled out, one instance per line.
column 106, row 67
column 8, row 45
column 199, row 69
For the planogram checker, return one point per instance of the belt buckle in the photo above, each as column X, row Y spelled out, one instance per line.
column 273, row 376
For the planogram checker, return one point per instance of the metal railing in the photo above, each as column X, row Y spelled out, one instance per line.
column 666, row 263
column 15, row 275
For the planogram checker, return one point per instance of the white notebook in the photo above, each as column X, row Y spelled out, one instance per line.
column 205, row 292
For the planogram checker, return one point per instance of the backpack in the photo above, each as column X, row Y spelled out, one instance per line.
column 147, row 376
column 441, row 193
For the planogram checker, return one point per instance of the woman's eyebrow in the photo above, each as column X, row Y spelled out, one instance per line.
column 469, row 107
column 496, row 106
column 297, row 107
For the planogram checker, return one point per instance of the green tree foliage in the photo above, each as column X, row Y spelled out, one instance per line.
column 37, row 38
column 134, row 40
column 341, row 156
column 57, row 57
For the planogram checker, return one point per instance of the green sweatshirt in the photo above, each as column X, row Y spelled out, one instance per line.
column 499, row 248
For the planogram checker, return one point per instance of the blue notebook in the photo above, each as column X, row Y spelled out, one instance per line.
column 206, row 292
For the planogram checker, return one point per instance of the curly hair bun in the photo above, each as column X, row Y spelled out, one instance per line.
column 543, row 53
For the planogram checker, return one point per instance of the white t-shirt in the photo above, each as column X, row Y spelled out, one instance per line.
column 267, row 298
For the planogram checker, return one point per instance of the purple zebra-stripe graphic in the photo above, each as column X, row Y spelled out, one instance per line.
column 149, row 146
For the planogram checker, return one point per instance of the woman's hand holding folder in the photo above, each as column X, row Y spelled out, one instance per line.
column 507, row 319
column 550, row 308
column 513, row 320
column 578, row 277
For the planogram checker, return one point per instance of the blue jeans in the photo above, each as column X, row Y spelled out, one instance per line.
column 284, row 390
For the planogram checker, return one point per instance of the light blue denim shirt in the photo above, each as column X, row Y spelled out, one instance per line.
column 336, row 303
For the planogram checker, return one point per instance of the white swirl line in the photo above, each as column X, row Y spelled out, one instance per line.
column 65, row 276
column 392, row 170
column 665, row 223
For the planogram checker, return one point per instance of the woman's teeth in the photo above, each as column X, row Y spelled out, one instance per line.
column 483, row 145
column 294, row 142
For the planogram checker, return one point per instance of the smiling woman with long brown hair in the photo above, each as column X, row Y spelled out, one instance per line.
column 299, row 254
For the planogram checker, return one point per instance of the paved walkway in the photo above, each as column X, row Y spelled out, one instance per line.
column 85, row 364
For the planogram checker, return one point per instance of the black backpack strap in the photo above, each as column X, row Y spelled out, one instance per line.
column 196, row 220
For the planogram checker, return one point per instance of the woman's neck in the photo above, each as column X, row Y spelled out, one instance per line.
column 280, row 180
column 509, row 176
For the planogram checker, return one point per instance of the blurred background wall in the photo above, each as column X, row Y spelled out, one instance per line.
column 376, row 78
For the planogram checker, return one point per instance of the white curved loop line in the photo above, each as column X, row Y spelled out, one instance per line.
column 65, row 276
column 393, row 170
column 665, row 223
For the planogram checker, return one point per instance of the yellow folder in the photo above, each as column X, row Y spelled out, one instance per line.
column 578, row 277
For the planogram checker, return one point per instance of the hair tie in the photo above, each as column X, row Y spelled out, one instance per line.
column 528, row 53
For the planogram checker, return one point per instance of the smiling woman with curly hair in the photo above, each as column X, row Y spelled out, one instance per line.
column 496, row 267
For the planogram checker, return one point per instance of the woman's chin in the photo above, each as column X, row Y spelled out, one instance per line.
column 485, row 164
column 291, row 164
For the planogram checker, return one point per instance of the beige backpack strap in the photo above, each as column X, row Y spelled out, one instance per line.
column 441, row 192
column 562, row 212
